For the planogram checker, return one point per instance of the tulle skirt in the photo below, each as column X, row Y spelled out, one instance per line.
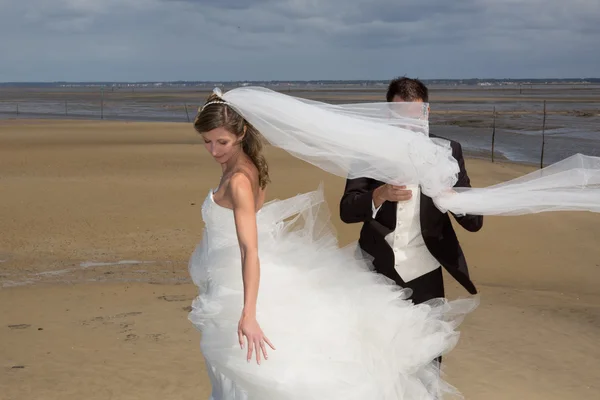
column 341, row 331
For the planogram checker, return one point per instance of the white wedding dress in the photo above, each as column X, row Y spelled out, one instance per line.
column 342, row 332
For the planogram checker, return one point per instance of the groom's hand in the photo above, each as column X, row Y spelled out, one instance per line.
column 389, row 192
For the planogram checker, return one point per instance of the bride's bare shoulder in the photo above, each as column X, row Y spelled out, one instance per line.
column 240, row 181
column 245, row 173
column 244, row 184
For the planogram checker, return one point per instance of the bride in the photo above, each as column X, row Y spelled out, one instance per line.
column 276, row 290
column 284, row 312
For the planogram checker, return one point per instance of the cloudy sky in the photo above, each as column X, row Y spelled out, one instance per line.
column 136, row 40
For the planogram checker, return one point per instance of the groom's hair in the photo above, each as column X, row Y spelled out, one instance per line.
column 407, row 89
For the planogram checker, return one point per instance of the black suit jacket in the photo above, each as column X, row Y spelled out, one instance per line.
column 436, row 228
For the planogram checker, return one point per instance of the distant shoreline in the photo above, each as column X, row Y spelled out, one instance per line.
column 359, row 82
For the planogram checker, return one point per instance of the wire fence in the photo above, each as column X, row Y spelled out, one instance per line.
column 533, row 132
column 103, row 110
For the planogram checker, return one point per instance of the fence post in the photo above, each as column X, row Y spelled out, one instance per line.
column 543, row 136
column 102, row 104
column 493, row 133
column 186, row 112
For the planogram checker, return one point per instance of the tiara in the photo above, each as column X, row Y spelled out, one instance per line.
column 219, row 93
column 213, row 102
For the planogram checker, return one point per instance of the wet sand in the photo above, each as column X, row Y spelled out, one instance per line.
column 99, row 219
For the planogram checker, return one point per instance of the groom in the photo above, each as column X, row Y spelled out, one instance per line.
column 407, row 236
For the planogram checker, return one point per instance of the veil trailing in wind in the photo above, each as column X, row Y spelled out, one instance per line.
column 390, row 142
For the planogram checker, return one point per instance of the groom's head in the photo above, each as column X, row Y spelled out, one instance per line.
column 407, row 90
column 413, row 91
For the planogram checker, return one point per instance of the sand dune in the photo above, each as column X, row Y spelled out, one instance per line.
column 98, row 220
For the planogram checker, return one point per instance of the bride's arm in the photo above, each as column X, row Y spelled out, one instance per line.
column 244, row 211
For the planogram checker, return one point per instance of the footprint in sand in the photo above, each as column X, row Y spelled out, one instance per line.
column 19, row 326
column 157, row 337
column 126, row 326
column 109, row 320
column 129, row 314
column 130, row 337
column 175, row 297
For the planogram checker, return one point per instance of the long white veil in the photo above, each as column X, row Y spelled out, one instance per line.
column 390, row 142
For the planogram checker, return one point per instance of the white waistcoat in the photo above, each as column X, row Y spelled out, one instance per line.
column 412, row 258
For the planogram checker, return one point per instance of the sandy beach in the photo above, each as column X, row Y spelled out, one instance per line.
column 99, row 218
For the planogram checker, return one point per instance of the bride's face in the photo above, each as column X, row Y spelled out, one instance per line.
column 221, row 144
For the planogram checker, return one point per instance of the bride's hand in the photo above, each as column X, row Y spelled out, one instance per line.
column 248, row 327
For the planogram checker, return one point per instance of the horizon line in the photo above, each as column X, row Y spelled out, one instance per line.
column 289, row 80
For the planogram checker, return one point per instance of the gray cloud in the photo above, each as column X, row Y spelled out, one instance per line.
column 226, row 4
column 296, row 39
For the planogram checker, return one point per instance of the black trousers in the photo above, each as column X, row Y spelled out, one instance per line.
column 427, row 287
